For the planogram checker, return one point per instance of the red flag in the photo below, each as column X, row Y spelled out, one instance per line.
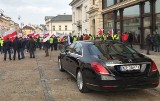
column 9, row 34
column 46, row 35
column 53, row 35
column 100, row 31
column 31, row 34
column 36, row 36
column 62, row 38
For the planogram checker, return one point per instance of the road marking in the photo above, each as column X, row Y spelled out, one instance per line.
column 46, row 89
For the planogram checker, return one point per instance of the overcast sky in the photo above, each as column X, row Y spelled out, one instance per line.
column 34, row 11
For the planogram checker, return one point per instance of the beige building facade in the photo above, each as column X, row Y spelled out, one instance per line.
column 6, row 24
column 87, row 16
column 60, row 24
column 95, row 16
column 80, row 17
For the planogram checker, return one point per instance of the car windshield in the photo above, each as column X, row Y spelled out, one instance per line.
column 110, row 49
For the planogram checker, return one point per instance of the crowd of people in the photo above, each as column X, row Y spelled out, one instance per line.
column 19, row 45
column 153, row 42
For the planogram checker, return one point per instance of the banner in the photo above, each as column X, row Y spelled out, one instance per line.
column 47, row 38
column 9, row 34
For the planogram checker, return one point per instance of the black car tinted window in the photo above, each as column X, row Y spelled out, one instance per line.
column 116, row 48
column 109, row 49
column 78, row 49
column 71, row 48
column 94, row 50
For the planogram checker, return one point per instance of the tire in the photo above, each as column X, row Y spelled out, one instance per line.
column 60, row 65
column 81, row 83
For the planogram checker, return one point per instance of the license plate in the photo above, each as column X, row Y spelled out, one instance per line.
column 130, row 68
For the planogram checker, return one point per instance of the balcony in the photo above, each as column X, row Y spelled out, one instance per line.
column 79, row 23
column 93, row 8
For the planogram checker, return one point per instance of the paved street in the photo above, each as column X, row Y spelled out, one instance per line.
column 40, row 80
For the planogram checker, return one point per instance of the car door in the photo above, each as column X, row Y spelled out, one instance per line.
column 75, row 58
column 69, row 52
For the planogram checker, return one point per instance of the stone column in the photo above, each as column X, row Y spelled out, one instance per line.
column 153, row 15
column 115, row 21
column 141, row 25
column 121, row 22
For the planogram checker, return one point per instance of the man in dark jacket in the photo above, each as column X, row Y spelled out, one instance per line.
column 22, row 48
column 130, row 39
column 31, row 46
column 16, row 48
column 7, row 48
column 149, row 42
column 46, row 47
column 55, row 43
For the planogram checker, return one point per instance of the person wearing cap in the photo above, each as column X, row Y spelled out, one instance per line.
column 31, row 46
column 16, row 48
column 7, row 48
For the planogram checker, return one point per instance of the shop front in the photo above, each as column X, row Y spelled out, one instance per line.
column 140, row 18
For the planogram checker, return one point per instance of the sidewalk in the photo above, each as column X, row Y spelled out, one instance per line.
column 153, row 55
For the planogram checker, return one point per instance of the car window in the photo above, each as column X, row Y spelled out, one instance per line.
column 71, row 47
column 94, row 50
column 116, row 48
column 110, row 48
column 78, row 49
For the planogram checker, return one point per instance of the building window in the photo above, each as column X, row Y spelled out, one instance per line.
column 53, row 28
column 66, row 27
column 131, row 22
column 108, row 22
column 158, row 23
column 157, row 6
column 93, row 2
column 60, row 28
column 147, row 7
column 118, row 1
column 107, row 3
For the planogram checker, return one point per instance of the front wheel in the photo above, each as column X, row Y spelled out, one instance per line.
column 81, row 83
column 60, row 65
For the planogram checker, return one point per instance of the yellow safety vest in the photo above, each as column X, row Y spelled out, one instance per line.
column 115, row 37
column 51, row 40
column 2, row 41
column 58, row 39
column 74, row 39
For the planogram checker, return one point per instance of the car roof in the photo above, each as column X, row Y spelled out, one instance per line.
column 98, row 42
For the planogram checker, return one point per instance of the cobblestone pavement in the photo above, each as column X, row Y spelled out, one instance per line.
column 40, row 80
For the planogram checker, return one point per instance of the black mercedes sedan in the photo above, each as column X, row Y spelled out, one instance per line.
column 108, row 65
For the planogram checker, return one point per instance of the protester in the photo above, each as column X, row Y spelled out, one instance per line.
column 149, row 41
column 130, row 39
column 51, row 39
column 16, row 48
column 156, row 42
column 46, row 47
column 109, row 37
column 55, row 43
column 7, row 46
column 23, row 44
column 31, row 46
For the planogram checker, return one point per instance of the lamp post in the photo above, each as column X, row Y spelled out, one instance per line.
column 1, row 14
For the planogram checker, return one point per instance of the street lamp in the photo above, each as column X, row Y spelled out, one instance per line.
column 1, row 12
